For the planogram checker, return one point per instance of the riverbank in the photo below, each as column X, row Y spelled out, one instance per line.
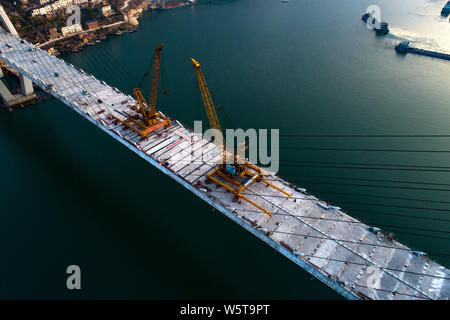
column 44, row 31
column 130, row 10
column 77, row 42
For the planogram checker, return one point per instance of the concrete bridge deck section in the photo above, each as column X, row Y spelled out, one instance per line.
column 334, row 247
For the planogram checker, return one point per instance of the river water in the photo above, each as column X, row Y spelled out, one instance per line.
column 72, row 195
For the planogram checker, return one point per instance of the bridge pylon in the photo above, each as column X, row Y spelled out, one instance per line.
column 26, row 86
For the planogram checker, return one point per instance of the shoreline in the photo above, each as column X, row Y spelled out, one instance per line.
column 77, row 42
column 124, row 21
column 129, row 24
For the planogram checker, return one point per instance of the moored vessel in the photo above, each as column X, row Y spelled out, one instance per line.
column 382, row 29
column 446, row 9
column 365, row 17
column 165, row 6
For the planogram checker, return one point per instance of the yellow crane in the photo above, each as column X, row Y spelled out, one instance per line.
column 209, row 105
column 233, row 175
column 146, row 119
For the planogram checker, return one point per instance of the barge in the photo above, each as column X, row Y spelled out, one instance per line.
column 405, row 47
column 165, row 6
column 383, row 28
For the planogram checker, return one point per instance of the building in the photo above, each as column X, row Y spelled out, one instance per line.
column 60, row 4
column 53, row 33
column 73, row 29
column 52, row 7
column 44, row 2
column 40, row 11
column 82, row 3
column 105, row 11
column 91, row 24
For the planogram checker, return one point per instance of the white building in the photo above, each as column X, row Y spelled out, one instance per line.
column 68, row 30
column 80, row 2
column 57, row 5
column 41, row 11
column 43, row 2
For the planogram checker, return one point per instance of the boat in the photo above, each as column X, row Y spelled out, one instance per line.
column 446, row 9
column 365, row 17
column 165, row 6
column 405, row 47
column 383, row 28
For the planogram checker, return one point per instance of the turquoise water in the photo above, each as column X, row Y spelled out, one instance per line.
column 72, row 195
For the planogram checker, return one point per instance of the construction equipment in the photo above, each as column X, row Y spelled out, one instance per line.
column 233, row 174
column 146, row 119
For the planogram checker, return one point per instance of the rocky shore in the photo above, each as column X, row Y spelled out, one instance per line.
column 131, row 10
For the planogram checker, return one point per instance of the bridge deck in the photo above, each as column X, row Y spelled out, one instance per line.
column 334, row 247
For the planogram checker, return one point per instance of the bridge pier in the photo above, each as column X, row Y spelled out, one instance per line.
column 7, row 97
column 26, row 86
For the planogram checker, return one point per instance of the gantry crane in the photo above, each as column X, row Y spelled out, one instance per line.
column 146, row 119
column 233, row 174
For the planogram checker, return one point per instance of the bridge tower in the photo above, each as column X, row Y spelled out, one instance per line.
column 26, row 86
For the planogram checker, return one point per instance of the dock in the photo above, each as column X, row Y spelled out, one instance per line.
column 354, row 259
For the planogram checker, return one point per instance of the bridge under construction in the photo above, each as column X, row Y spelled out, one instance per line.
column 356, row 260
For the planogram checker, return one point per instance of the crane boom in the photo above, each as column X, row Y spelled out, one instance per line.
column 234, row 177
column 155, row 80
column 147, row 119
column 206, row 95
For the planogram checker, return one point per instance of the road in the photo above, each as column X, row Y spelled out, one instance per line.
column 40, row 45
